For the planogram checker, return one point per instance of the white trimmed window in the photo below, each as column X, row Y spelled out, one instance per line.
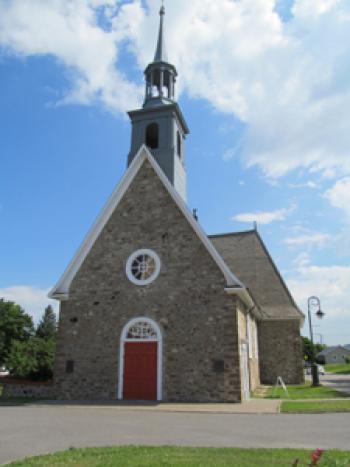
column 249, row 337
column 143, row 267
column 256, row 344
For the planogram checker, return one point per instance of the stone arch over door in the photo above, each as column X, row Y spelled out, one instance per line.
column 140, row 361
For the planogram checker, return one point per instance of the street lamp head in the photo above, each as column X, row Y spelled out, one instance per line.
column 320, row 314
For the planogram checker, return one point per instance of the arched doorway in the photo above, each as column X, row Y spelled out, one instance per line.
column 140, row 361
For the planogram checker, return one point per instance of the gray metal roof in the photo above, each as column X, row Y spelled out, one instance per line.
column 161, row 55
column 248, row 258
column 330, row 349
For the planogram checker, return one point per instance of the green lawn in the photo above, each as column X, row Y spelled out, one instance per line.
column 315, row 406
column 303, row 391
column 339, row 369
column 175, row 456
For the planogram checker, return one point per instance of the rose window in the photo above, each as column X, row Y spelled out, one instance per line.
column 143, row 267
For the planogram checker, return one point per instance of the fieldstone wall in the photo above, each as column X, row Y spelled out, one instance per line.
column 280, row 351
column 187, row 300
column 30, row 389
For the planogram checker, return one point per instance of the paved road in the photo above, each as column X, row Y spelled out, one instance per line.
column 27, row 431
column 338, row 382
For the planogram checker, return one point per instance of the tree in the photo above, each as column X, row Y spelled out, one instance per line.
column 15, row 325
column 32, row 359
column 311, row 350
column 47, row 327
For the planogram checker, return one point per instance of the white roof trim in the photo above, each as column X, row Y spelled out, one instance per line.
column 242, row 293
column 61, row 290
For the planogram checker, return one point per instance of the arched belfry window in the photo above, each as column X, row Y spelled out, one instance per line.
column 152, row 136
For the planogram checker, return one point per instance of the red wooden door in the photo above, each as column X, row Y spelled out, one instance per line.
column 140, row 371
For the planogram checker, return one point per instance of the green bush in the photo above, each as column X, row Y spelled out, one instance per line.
column 15, row 325
column 32, row 359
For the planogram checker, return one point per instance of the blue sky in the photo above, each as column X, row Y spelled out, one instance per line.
column 263, row 86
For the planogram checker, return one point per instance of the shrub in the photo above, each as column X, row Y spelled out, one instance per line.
column 32, row 359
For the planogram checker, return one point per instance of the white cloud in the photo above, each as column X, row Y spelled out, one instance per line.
column 339, row 195
column 331, row 284
column 32, row 299
column 69, row 31
column 308, row 240
column 287, row 81
column 308, row 184
column 303, row 259
column 264, row 217
column 310, row 8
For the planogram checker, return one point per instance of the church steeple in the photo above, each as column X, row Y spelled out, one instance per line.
column 160, row 75
column 160, row 123
column 161, row 55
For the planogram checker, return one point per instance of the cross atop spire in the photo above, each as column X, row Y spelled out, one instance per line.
column 161, row 55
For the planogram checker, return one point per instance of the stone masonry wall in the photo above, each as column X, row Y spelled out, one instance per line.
column 280, row 351
column 187, row 300
column 29, row 389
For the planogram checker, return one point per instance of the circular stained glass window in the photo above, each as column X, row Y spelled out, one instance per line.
column 143, row 267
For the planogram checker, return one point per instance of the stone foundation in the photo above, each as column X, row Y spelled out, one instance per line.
column 30, row 389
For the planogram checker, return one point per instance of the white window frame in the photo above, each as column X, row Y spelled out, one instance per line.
column 131, row 259
column 256, row 340
column 124, row 339
column 249, row 336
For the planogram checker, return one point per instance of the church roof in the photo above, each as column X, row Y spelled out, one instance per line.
column 246, row 255
column 61, row 290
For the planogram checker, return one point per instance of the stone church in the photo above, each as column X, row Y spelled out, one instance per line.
column 151, row 308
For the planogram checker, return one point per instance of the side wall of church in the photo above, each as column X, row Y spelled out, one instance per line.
column 197, row 318
column 280, row 351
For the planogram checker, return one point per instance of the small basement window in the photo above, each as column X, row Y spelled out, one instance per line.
column 69, row 366
column 152, row 136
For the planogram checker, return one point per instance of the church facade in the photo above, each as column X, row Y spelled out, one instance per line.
column 151, row 308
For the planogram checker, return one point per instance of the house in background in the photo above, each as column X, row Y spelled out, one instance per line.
column 334, row 354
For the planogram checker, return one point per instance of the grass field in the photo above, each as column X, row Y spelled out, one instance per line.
column 303, row 391
column 174, row 456
column 339, row 369
column 315, row 406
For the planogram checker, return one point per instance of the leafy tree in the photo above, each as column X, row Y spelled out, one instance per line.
column 15, row 325
column 47, row 327
column 311, row 350
column 32, row 359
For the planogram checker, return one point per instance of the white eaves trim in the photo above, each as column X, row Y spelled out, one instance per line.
column 61, row 290
column 242, row 293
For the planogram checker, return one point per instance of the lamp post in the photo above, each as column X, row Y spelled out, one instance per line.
column 320, row 336
column 313, row 303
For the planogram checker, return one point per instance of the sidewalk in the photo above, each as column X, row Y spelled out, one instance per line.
column 253, row 406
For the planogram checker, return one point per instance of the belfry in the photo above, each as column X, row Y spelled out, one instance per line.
column 160, row 124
